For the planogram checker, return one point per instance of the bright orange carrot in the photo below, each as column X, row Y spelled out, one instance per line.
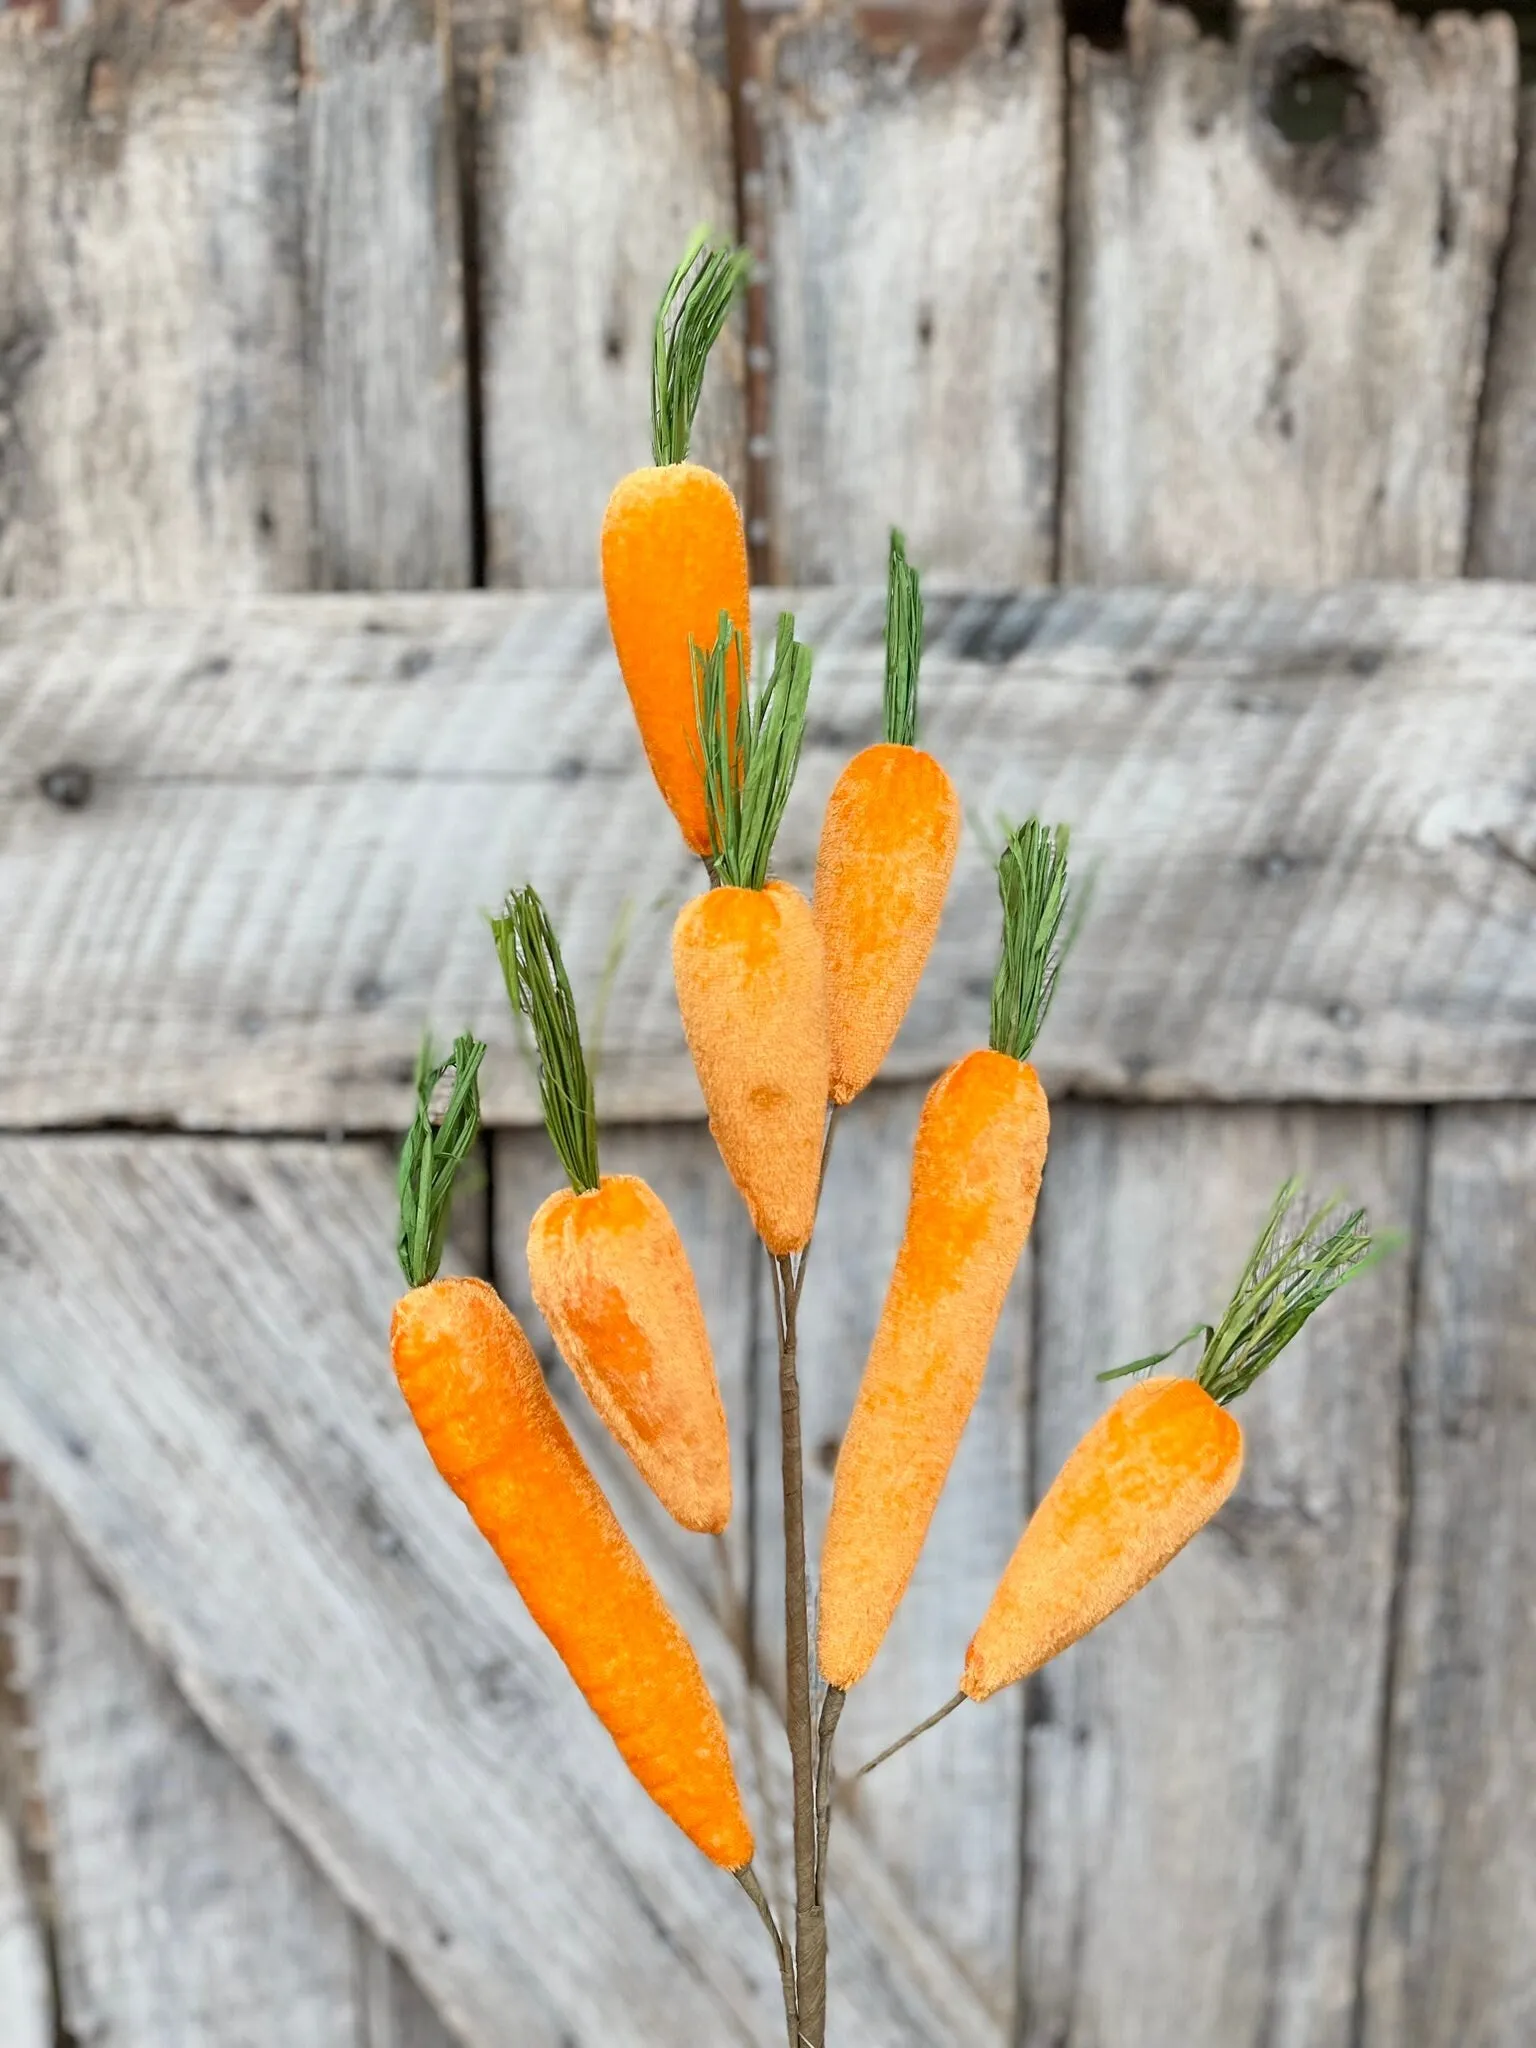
column 1157, row 1465
column 976, row 1168
column 674, row 551
column 475, row 1390
column 888, row 846
column 605, row 1262
column 746, row 958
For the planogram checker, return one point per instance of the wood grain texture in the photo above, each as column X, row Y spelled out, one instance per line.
column 151, row 291
column 1503, row 531
column 1450, row 1956
column 388, row 413
column 1277, row 332
column 913, row 190
column 26, row 1996
column 945, row 1813
column 1209, row 1758
column 220, row 1430
column 604, row 140
column 187, row 1916
column 1308, row 816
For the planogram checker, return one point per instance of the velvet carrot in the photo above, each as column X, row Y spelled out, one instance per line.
column 976, row 1167
column 888, row 846
column 746, row 958
column 674, row 551
column 1155, row 1467
column 606, row 1264
column 473, row 1385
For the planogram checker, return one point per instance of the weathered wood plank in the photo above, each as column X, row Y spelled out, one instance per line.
column 945, row 1813
column 151, row 291
column 186, row 1914
column 1308, row 815
column 229, row 1450
column 1450, row 1955
column 604, row 140
column 1503, row 531
column 1283, row 263
column 1203, row 1770
column 913, row 196
column 26, row 1998
column 388, row 419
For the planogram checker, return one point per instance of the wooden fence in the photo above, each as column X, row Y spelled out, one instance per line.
column 352, row 297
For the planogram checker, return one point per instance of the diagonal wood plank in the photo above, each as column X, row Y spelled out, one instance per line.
column 1450, row 1958
column 244, row 1476
column 186, row 1913
column 1203, row 1769
column 604, row 139
column 243, row 853
column 1283, row 261
column 912, row 193
column 26, row 1996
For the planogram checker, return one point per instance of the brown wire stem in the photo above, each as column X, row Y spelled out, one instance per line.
column 911, row 1735
column 746, row 1877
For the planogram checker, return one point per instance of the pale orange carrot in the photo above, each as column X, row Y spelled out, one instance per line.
column 888, row 846
column 976, row 1168
column 606, row 1264
column 746, row 958
column 1157, row 1465
column 674, row 551
column 473, row 1385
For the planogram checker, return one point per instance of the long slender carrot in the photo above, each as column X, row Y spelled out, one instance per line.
column 746, row 958
column 888, row 846
column 475, row 1390
column 976, row 1168
column 606, row 1264
column 674, row 551
column 1155, row 1467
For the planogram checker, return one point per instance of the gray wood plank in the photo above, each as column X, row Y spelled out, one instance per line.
column 1503, row 532
column 222, row 1435
column 1450, row 1957
column 1203, row 1769
column 945, row 1813
column 271, row 873
column 1278, row 322
column 388, row 411
column 150, row 303
column 26, row 1995
column 913, row 191
column 604, row 139
column 187, row 1916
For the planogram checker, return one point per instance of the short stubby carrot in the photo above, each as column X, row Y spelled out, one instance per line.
column 748, row 968
column 1155, row 1467
column 1148, row 1475
column 976, row 1168
column 608, row 1269
column 888, row 847
column 674, row 549
column 474, row 1387
column 611, row 1278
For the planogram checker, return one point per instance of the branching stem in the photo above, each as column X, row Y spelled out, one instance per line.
column 810, row 1926
column 747, row 1879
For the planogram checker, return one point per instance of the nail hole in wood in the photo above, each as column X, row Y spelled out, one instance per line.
column 1318, row 97
column 69, row 786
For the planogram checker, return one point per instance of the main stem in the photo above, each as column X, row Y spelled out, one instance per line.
column 810, row 1918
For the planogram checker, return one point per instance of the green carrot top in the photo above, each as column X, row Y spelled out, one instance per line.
column 1032, row 881
column 433, row 1153
column 539, row 987
column 903, row 645
column 749, row 761
column 693, row 310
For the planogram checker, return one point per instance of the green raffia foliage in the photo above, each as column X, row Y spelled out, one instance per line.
column 433, row 1153
column 693, row 309
column 749, row 762
column 537, row 983
column 1291, row 1271
column 1032, row 881
column 903, row 645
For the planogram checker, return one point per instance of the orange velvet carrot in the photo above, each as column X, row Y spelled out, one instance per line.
column 746, row 958
column 888, row 846
column 607, row 1267
column 1157, row 1465
column 976, row 1168
column 674, row 552
column 475, row 1390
